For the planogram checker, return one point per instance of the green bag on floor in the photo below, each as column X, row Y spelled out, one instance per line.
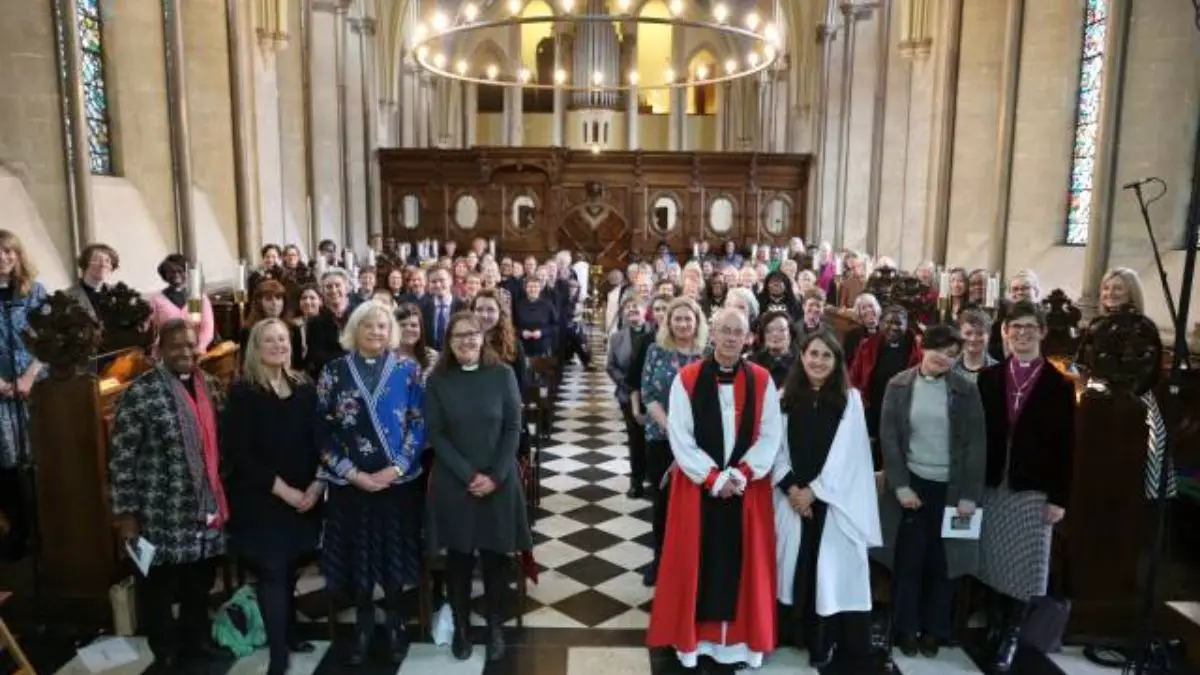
column 238, row 625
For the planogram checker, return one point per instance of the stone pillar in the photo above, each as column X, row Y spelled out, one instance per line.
column 513, row 96
column 942, row 142
column 1104, row 178
column 240, row 95
column 339, row 56
column 826, row 34
column 310, row 189
column 878, row 123
column 1009, row 79
column 471, row 115
column 722, row 142
column 181, row 140
column 558, row 122
column 634, row 140
column 852, row 14
column 77, row 153
column 677, row 114
column 364, row 28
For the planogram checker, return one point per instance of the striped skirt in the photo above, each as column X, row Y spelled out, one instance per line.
column 372, row 538
column 1014, row 543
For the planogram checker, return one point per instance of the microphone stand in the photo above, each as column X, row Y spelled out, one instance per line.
column 1148, row 655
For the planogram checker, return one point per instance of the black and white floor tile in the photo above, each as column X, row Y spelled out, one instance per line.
column 588, row 612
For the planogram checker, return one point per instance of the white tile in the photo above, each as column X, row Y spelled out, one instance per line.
column 145, row 658
column 563, row 413
column 621, row 504
column 567, row 437
column 563, row 450
column 618, row 466
column 301, row 664
column 1072, row 662
column 569, row 424
column 608, row 661
column 948, row 662
column 615, row 438
column 785, row 661
column 557, row 526
column 634, row 619
column 553, row 586
column 547, row 617
column 425, row 658
column 555, row 553
column 626, row 527
column 309, row 582
column 616, row 425
column 560, row 503
column 615, row 451
column 564, row 465
column 618, row 484
column 627, row 588
column 629, row 555
column 562, row 483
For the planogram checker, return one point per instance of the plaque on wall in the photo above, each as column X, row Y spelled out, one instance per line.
column 720, row 215
column 466, row 211
column 777, row 215
column 664, row 213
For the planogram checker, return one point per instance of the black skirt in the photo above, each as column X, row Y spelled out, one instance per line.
column 372, row 538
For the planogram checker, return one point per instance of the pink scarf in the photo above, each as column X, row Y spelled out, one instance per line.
column 207, row 471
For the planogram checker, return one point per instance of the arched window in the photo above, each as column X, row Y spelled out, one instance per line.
column 95, row 93
column 1087, row 119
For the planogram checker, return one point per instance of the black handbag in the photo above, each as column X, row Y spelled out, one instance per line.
column 1045, row 622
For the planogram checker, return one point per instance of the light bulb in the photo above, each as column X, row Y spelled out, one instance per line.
column 701, row 72
column 492, row 71
column 567, row 5
column 624, row 5
column 470, row 11
column 524, row 74
column 720, row 12
column 419, row 32
column 752, row 58
column 676, row 7
column 731, row 66
column 440, row 21
column 439, row 60
column 633, row 77
column 514, row 6
column 752, row 20
column 595, row 149
column 771, row 33
column 597, row 78
column 669, row 75
column 461, row 67
column 560, row 76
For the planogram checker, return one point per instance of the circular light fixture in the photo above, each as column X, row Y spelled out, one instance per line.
column 461, row 67
column 595, row 149
column 763, row 48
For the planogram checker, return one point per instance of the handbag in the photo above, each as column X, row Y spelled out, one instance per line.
column 123, row 598
column 1045, row 622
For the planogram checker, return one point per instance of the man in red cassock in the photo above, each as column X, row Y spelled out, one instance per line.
column 724, row 427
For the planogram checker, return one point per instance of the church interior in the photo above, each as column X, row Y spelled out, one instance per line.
column 219, row 163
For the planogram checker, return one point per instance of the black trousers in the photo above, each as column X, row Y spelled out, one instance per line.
column 460, row 567
column 636, row 435
column 276, row 601
column 658, row 460
column 571, row 343
column 189, row 585
column 14, row 503
column 922, row 592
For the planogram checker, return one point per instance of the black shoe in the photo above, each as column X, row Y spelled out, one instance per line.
column 821, row 649
column 908, row 645
column 495, row 642
column 361, row 647
column 1006, row 653
column 398, row 642
column 460, row 646
column 298, row 646
column 167, row 664
column 636, row 492
column 205, row 651
column 928, row 646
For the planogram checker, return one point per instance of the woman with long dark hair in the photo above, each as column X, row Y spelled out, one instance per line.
column 827, row 514
column 268, row 302
column 490, row 306
column 412, row 338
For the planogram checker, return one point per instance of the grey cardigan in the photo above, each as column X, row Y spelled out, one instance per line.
column 620, row 355
column 968, row 461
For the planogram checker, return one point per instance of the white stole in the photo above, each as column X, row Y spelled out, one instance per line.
column 847, row 485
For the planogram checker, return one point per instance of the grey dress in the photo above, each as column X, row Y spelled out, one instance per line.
column 473, row 421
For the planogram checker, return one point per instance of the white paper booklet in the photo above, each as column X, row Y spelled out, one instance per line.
column 141, row 553
column 955, row 526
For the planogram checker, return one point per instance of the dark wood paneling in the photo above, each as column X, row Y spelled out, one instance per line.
column 563, row 185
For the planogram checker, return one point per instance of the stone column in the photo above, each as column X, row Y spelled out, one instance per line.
column 634, row 140
column 558, row 122
column 77, row 153
column 181, row 139
column 364, row 27
column 471, row 115
column 1009, row 79
column 513, row 96
column 677, row 114
column 339, row 60
column 310, row 189
column 1104, row 180
column 826, row 34
column 852, row 14
column 878, row 123
column 946, row 112
column 240, row 94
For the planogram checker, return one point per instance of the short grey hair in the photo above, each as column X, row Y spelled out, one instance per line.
column 339, row 273
column 868, row 299
column 726, row 314
column 745, row 295
column 349, row 337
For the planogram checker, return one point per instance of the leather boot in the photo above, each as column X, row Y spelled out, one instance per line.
column 458, row 587
column 495, row 584
column 364, row 629
column 1006, row 650
column 398, row 639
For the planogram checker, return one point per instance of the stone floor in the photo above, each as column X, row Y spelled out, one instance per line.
column 588, row 611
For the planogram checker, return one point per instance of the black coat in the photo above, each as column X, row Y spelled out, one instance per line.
column 429, row 316
column 1043, row 438
column 323, row 334
column 264, row 437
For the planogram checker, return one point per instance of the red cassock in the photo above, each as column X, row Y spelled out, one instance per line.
column 673, row 615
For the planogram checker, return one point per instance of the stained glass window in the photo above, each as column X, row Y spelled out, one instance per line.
column 1087, row 118
column 95, row 94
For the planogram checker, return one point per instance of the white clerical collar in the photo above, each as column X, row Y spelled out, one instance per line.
column 471, row 368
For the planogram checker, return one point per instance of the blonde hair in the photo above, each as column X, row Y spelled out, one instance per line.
column 349, row 337
column 252, row 367
column 666, row 339
column 24, row 272
column 1133, row 285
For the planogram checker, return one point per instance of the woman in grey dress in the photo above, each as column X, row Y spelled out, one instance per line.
column 475, row 500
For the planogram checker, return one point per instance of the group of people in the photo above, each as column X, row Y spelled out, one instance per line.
column 785, row 460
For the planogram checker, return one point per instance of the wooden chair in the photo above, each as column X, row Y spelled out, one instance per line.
column 438, row 564
column 9, row 644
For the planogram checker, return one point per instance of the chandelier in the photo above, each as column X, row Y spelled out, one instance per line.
column 757, row 43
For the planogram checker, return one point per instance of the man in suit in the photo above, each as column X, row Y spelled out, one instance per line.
column 437, row 306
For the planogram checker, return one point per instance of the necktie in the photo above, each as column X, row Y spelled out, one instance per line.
column 439, row 326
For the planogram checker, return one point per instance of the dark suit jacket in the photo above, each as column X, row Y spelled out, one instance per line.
column 1039, row 448
column 429, row 316
column 322, row 335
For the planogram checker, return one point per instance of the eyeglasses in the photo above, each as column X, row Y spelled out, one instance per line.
column 728, row 332
column 1023, row 327
column 777, row 330
column 463, row 337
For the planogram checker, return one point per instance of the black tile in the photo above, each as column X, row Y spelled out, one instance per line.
column 591, row 431
column 591, row 540
column 538, row 537
column 593, row 474
column 592, row 458
column 591, row 514
column 591, row 571
column 593, row 419
column 522, row 660
column 646, row 514
column 645, row 539
column 593, row 443
column 591, row 608
column 536, row 512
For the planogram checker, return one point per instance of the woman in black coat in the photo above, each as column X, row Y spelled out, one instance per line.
column 274, row 494
column 536, row 318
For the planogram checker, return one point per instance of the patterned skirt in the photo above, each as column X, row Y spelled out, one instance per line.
column 1014, row 543
column 14, row 418
column 372, row 538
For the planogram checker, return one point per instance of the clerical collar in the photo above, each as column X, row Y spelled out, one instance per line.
column 727, row 374
column 470, row 368
column 930, row 378
column 1035, row 361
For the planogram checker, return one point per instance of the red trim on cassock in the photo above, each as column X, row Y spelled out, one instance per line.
column 711, row 479
column 673, row 614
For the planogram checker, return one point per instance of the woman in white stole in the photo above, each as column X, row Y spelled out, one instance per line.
column 826, row 509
